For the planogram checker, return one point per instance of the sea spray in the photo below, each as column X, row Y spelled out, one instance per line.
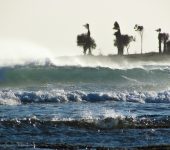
column 19, row 52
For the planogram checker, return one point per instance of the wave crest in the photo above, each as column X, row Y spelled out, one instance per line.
column 40, row 75
column 96, row 123
column 59, row 96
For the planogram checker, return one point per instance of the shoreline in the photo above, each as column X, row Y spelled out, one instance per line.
column 150, row 54
column 132, row 58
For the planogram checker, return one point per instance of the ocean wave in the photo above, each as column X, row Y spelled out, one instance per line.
column 40, row 75
column 60, row 96
column 119, row 122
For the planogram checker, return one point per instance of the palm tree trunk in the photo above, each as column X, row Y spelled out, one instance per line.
column 160, row 51
column 164, row 46
column 84, row 50
column 90, row 53
column 141, row 42
column 128, row 49
column 159, row 38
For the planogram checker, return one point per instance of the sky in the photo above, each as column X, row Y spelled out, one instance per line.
column 53, row 25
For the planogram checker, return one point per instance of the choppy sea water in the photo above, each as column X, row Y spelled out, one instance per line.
column 47, row 106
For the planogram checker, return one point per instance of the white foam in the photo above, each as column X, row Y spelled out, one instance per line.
column 9, row 102
column 110, row 113
column 8, row 98
column 17, row 97
column 130, row 79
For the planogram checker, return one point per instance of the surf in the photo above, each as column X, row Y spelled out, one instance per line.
column 23, row 97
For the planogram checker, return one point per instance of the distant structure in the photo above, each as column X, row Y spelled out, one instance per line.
column 121, row 40
column 86, row 41
column 140, row 29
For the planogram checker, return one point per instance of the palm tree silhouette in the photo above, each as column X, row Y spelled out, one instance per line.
column 126, row 40
column 168, row 46
column 121, row 40
column 159, row 39
column 118, row 41
column 165, row 37
column 86, row 41
column 140, row 30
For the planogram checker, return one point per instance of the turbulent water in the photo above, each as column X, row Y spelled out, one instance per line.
column 95, row 105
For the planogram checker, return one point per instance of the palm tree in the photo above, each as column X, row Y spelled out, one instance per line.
column 165, row 37
column 168, row 46
column 126, row 40
column 140, row 30
column 86, row 41
column 118, row 40
column 159, row 39
column 121, row 40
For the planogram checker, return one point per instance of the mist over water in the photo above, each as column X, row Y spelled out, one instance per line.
column 20, row 52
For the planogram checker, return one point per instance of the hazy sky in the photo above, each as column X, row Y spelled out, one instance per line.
column 54, row 24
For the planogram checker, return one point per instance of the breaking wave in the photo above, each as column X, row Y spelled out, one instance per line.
column 119, row 122
column 33, row 75
column 58, row 96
